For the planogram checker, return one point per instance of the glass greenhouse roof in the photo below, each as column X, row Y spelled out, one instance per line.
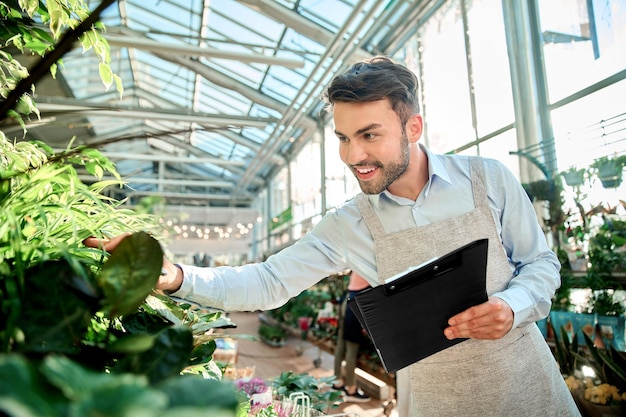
column 218, row 94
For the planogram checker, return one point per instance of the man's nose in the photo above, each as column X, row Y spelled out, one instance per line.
column 356, row 153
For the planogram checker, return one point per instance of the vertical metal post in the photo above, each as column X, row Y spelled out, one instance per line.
column 528, row 79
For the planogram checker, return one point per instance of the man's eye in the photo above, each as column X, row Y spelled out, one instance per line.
column 342, row 139
column 369, row 136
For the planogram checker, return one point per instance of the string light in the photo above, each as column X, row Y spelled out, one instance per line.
column 179, row 230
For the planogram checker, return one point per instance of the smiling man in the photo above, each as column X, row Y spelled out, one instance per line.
column 417, row 205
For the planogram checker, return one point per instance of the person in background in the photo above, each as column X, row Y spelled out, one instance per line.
column 416, row 205
column 350, row 338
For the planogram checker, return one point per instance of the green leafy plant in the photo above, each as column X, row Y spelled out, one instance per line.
column 608, row 364
column 81, row 329
column 272, row 334
column 542, row 190
column 609, row 170
column 318, row 390
column 34, row 27
column 566, row 352
column 561, row 299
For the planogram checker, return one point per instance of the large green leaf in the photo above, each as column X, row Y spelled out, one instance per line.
column 22, row 394
column 193, row 390
column 103, row 394
column 168, row 356
column 142, row 322
column 131, row 273
column 202, row 353
column 56, row 308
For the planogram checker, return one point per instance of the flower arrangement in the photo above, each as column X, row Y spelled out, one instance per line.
column 257, row 399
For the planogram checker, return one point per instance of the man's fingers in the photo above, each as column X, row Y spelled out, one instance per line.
column 105, row 243
column 490, row 320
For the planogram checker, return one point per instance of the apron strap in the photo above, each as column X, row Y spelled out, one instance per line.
column 369, row 216
column 479, row 185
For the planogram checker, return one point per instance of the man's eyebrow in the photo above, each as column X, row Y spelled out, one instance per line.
column 362, row 130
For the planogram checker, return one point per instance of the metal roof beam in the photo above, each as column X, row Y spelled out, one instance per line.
column 147, row 44
column 243, row 141
column 49, row 104
column 338, row 50
column 298, row 23
column 171, row 158
column 224, row 81
column 247, row 200
column 163, row 181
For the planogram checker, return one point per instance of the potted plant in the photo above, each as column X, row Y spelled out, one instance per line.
column 574, row 177
column 609, row 317
column 562, row 314
column 273, row 334
column 606, row 394
column 565, row 350
column 541, row 190
column 609, row 170
column 318, row 390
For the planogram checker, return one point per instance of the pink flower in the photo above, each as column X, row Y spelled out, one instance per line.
column 251, row 385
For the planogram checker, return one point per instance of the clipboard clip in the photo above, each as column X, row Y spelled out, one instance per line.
column 422, row 273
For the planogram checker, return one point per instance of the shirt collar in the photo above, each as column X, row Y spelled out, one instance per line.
column 436, row 168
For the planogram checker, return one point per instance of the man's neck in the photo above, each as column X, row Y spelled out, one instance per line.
column 410, row 184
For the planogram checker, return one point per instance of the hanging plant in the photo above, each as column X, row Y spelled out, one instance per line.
column 609, row 170
column 574, row 177
column 542, row 190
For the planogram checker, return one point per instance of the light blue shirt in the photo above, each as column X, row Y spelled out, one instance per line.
column 341, row 241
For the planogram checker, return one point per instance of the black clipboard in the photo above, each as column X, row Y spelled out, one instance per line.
column 405, row 318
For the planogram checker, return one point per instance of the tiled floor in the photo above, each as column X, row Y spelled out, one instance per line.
column 297, row 356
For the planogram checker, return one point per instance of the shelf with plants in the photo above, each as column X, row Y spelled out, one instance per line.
column 592, row 251
column 307, row 317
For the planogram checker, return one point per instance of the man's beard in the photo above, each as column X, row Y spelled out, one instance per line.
column 390, row 172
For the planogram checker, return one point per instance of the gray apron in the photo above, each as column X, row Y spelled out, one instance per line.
column 516, row 375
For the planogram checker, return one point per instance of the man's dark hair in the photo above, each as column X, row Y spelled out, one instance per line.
column 376, row 79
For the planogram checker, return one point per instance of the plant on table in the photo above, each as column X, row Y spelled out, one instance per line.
column 317, row 389
column 273, row 335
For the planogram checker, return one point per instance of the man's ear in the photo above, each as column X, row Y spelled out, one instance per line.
column 414, row 128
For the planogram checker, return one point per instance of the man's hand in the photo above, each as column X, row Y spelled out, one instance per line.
column 491, row 320
column 171, row 277
column 107, row 244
